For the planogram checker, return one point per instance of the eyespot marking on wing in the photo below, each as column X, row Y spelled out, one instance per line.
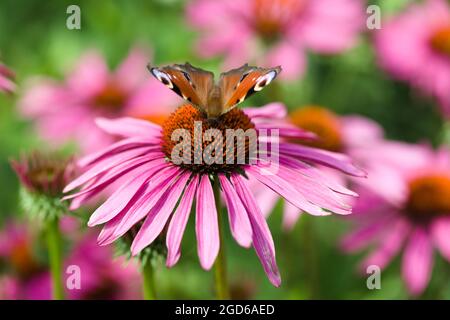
column 264, row 80
column 163, row 77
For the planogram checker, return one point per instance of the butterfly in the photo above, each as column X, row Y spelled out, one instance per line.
column 197, row 86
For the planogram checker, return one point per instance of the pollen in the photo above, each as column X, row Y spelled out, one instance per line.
column 186, row 117
column 440, row 41
column 324, row 123
column 429, row 196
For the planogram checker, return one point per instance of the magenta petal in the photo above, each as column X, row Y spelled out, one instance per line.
column 417, row 262
column 178, row 223
column 239, row 223
column 390, row 245
column 262, row 238
column 156, row 188
column 129, row 127
column 158, row 215
column 285, row 189
column 206, row 225
column 122, row 196
column 326, row 158
column 441, row 236
column 272, row 110
column 105, row 165
column 117, row 147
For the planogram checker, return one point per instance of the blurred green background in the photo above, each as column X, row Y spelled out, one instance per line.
column 34, row 40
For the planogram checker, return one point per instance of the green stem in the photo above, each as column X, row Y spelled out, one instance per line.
column 310, row 257
column 220, row 269
column 54, row 247
column 148, row 284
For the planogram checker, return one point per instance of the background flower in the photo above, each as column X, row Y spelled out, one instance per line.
column 414, row 47
column 404, row 204
column 6, row 76
column 66, row 111
column 272, row 33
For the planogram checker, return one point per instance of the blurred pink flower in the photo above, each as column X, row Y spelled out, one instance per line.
column 334, row 133
column 275, row 32
column 405, row 203
column 28, row 278
column 6, row 76
column 66, row 111
column 153, row 184
column 415, row 47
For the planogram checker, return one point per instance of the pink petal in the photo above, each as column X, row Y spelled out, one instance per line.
column 129, row 127
column 158, row 215
column 440, row 231
column 206, row 226
column 239, row 223
column 390, row 245
column 178, row 223
column 132, row 72
column 290, row 215
column 272, row 110
column 105, row 165
column 89, row 76
column 262, row 238
column 285, row 189
column 290, row 57
column 326, row 158
column 117, row 147
column 417, row 262
column 122, row 196
column 155, row 190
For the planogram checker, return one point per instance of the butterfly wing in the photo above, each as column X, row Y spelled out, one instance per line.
column 238, row 84
column 190, row 83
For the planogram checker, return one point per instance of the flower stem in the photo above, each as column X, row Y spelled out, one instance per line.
column 310, row 257
column 220, row 269
column 53, row 237
column 148, row 284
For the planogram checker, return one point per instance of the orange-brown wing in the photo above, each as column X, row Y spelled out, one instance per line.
column 238, row 84
column 190, row 83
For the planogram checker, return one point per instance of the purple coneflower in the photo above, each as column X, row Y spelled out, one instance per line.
column 157, row 195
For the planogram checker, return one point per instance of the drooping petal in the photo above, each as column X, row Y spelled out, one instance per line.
column 326, row 158
column 122, row 196
column 389, row 246
column 239, row 223
column 285, row 189
column 440, row 231
column 417, row 262
column 178, row 223
column 262, row 238
column 206, row 226
column 158, row 215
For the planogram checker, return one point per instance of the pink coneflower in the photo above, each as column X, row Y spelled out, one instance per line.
column 27, row 277
column 157, row 195
column 279, row 31
column 345, row 134
column 66, row 111
column 405, row 203
column 415, row 47
column 6, row 76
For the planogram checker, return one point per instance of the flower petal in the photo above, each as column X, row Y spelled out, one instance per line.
column 440, row 231
column 158, row 215
column 417, row 262
column 262, row 238
column 239, row 223
column 178, row 223
column 206, row 226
